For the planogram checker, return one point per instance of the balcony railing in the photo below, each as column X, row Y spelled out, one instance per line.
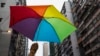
column 98, row 23
column 93, row 49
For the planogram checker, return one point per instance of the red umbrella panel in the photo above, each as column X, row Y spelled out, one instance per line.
column 24, row 20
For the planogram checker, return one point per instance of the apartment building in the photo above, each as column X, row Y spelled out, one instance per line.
column 66, row 48
column 86, row 16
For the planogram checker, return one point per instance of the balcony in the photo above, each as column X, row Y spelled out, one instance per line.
column 91, row 40
column 74, row 9
column 79, row 40
column 92, row 36
column 98, row 23
column 68, row 48
column 81, row 13
column 69, row 51
column 82, row 28
column 96, row 16
column 90, row 11
column 93, row 46
column 87, row 51
column 93, row 49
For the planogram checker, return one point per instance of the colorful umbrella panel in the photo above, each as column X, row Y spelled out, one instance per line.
column 40, row 23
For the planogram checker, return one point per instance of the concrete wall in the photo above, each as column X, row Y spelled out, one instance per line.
column 4, row 43
column 73, row 36
column 5, row 13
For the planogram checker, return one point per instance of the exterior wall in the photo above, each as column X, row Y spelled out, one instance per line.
column 73, row 35
column 5, row 14
column 87, row 19
column 4, row 43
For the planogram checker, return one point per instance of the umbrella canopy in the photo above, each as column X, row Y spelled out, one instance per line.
column 40, row 23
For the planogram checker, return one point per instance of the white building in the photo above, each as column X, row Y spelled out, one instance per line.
column 5, row 35
column 73, row 37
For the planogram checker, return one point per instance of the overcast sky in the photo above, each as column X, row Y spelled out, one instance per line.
column 57, row 3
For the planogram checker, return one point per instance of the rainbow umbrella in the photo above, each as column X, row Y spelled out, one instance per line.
column 40, row 23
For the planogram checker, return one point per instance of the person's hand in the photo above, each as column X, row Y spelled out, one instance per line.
column 33, row 49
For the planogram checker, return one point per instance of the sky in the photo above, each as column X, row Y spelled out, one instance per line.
column 57, row 3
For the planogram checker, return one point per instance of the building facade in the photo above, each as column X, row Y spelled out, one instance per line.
column 12, row 43
column 86, row 16
column 65, row 49
column 18, row 45
column 52, row 49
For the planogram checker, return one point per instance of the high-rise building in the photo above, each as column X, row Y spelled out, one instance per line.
column 86, row 16
column 63, row 49
column 12, row 43
column 18, row 45
column 52, row 49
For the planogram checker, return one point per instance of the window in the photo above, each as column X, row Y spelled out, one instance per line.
column 0, row 19
column 20, row 2
column 90, row 26
column 96, row 41
column 87, row 47
column 95, row 32
column 94, row 21
column 17, row 3
column 98, row 28
column 99, row 39
column 2, row 4
column 98, row 17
